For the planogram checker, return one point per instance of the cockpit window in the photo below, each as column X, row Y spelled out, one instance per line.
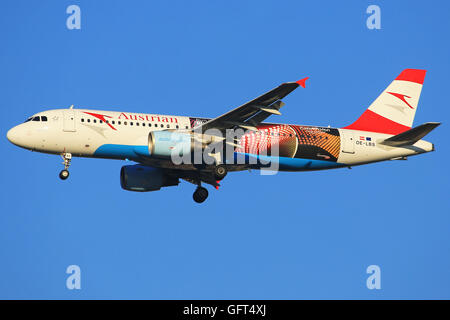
column 37, row 118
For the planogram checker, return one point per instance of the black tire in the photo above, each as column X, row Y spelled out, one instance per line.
column 200, row 194
column 220, row 172
column 64, row 174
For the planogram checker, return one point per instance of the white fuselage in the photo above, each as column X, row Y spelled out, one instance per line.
column 85, row 133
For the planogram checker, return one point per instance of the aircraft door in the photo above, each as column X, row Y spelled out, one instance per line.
column 348, row 141
column 69, row 120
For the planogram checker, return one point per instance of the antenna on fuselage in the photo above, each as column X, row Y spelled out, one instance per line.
column 71, row 107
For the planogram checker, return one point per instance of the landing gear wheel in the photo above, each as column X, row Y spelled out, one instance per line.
column 67, row 157
column 64, row 174
column 200, row 194
column 220, row 172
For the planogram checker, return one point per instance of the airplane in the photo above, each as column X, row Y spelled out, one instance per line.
column 235, row 141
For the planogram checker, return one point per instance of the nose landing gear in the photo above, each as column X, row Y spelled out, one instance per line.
column 200, row 194
column 64, row 174
column 67, row 157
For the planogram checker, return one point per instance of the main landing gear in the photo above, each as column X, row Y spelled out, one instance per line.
column 64, row 174
column 200, row 194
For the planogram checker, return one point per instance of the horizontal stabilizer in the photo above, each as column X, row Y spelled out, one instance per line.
column 411, row 136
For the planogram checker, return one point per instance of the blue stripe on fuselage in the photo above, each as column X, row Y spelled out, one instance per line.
column 121, row 151
column 118, row 151
column 284, row 163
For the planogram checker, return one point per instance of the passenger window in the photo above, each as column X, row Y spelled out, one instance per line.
column 131, row 123
column 168, row 126
column 137, row 124
column 95, row 121
column 113, row 122
column 177, row 126
column 119, row 122
column 162, row 126
column 101, row 121
column 82, row 120
column 124, row 123
column 88, row 120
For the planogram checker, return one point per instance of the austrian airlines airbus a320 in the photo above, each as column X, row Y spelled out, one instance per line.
column 169, row 148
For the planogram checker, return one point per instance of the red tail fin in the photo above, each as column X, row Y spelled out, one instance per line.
column 394, row 110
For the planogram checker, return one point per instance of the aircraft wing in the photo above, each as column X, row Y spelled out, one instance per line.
column 252, row 113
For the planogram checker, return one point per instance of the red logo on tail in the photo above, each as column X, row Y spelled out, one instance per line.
column 401, row 97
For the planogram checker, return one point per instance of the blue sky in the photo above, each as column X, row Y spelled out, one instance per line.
column 288, row 236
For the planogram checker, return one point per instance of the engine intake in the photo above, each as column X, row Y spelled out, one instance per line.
column 143, row 178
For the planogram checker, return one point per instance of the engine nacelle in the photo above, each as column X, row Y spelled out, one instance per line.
column 166, row 144
column 169, row 144
column 143, row 178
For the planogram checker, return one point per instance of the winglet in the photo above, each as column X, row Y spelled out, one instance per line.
column 302, row 82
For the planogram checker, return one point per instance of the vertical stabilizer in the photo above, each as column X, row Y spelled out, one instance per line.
column 394, row 110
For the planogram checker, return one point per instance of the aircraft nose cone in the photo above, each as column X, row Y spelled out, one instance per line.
column 13, row 136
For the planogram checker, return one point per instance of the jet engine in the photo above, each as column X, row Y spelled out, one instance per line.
column 165, row 144
column 143, row 178
column 186, row 147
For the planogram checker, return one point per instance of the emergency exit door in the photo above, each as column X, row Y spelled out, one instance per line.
column 348, row 141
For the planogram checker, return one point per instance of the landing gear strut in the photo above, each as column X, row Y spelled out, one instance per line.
column 220, row 171
column 64, row 174
column 200, row 194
